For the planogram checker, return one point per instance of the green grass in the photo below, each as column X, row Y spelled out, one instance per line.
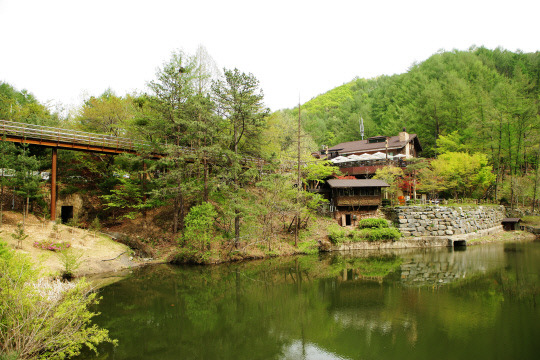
column 498, row 237
column 531, row 220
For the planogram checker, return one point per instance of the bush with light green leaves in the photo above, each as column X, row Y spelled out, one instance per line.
column 43, row 319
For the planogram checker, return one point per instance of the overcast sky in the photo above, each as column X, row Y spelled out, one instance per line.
column 63, row 51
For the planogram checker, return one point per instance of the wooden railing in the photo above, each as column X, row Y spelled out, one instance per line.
column 65, row 136
column 74, row 139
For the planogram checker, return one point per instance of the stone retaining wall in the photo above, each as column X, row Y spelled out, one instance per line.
column 416, row 221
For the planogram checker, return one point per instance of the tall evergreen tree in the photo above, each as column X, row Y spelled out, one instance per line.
column 240, row 102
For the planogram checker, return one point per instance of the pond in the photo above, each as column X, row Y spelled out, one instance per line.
column 479, row 303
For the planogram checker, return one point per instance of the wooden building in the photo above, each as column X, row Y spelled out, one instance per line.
column 392, row 150
column 354, row 199
column 511, row 224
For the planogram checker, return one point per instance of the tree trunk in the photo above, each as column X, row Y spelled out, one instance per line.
column 25, row 212
column 236, row 228
column 437, row 126
column 144, row 194
column 205, row 192
column 499, row 174
column 181, row 212
column 298, row 180
column 175, row 215
column 236, row 212
column 536, row 178
column 512, row 195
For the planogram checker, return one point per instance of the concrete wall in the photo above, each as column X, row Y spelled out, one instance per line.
column 74, row 200
column 415, row 221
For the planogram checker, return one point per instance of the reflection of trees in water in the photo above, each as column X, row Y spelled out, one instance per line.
column 264, row 309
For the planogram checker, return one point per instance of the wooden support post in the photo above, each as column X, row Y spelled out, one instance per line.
column 53, row 184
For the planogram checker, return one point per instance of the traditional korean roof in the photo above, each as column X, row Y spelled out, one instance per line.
column 356, row 183
column 365, row 145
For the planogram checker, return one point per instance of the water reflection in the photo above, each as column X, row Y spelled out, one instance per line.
column 299, row 350
column 367, row 305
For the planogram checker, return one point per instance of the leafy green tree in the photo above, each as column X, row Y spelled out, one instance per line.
column 316, row 172
column 430, row 182
column 449, row 143
column 277, row 201
column 464, row 174
column 392, row 176
column 128, row 196
column 42, row 319
column 108, row 114
column 22, row 106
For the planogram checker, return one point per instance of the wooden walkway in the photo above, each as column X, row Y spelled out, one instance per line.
column 68, row 139
column 84, row 141
column 58, row 138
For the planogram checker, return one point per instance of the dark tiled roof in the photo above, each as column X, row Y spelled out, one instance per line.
column 511, row 220
column 364, row 145
column 356, row 183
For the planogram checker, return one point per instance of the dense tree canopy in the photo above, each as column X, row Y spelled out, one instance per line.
column 485, row 95
column 483, row 101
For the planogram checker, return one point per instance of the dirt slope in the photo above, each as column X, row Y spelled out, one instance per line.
column 98, row 253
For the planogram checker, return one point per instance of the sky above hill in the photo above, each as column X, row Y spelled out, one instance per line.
column 64, row 51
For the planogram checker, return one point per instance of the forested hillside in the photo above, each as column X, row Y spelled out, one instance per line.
column 490, row 97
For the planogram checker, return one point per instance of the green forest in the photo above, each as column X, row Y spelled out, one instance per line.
column 476, row 113
column 478, row 101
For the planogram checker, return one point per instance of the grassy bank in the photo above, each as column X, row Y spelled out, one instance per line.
column 503, row 236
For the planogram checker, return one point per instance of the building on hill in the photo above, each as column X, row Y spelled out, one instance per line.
column 362, row 158
column 357, row 195
column 354, row 199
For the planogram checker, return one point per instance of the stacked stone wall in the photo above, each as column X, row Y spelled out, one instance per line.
column 416, row 221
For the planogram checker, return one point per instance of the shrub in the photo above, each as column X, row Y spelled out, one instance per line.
column 191, row 255
column 4, row 250
column 42, row 319
column 336, row 234
column 309, row 247
column 95, row 226
column 372, row 223
column 74, row 221
column 51, row 245
column 199, row 224
column 70, row 261
column 379, row 234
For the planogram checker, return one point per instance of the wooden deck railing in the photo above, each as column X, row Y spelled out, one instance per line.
column 85, row 141
column 68, row 137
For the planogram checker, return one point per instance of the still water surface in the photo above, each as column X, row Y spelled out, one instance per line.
column 480, row 303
